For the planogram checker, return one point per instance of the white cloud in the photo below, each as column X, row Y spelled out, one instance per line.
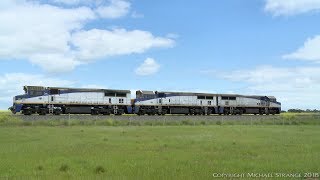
column 259, row 75
column 104, row 8
column 54, row 38
column 70, row 2
column 30, row 31
column 79, row 2
column 94, row 44
column 11, row 85
column 116, row 9
column 295, row 87
column 148, row 67
column 310, row 51
column 54, row 62
column 291, row 7
column 135, row 14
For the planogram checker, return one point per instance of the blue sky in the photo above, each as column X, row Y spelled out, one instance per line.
column 265, row 47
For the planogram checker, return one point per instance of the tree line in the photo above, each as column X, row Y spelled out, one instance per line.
column 303, row 111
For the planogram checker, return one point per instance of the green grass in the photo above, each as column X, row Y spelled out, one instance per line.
column 156, row 152
column 157, row 149
column 6, row 119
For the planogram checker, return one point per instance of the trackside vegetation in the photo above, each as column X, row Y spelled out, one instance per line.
column 6, row 119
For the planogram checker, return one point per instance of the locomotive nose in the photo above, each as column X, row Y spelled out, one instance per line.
column 12, row 109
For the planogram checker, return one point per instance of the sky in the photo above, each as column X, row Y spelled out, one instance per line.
column 254, row 47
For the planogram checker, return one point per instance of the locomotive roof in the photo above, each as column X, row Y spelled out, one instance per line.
column 90, row 89
column 76, row 89
column 201, row 94
column 177, row 93
column 187, row 93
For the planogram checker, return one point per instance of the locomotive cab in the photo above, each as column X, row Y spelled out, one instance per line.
column 29, row 92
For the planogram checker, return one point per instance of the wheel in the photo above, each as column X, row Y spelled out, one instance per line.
column 94, row 112
column 106, row 113
column 27, row 113
column 140, row 113
column 164, row 112
column 209, row 112
column 191, row 111
column 240, row 112
column 120, row 112
column 57, row 112
column 42, row 112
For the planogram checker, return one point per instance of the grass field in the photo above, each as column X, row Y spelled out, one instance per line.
column 158, row 152
column 188, row 149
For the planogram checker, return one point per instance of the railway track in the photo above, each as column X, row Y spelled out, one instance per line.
column 143, row 118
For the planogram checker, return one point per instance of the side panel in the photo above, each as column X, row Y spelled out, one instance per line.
column 176, row 101
column 227, row 103
column 78, row 98
column 248, row 102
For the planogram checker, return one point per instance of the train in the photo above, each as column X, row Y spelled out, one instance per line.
column 60, row 100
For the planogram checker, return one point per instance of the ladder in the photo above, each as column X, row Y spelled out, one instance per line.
column 50, row 107
column 232, row 110
column 159, row 109
column 115, row 109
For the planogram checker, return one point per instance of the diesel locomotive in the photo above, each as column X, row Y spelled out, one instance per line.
column 59, row 100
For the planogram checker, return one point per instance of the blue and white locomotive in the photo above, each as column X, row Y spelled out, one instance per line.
column 150, row 102
column 56, row 100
